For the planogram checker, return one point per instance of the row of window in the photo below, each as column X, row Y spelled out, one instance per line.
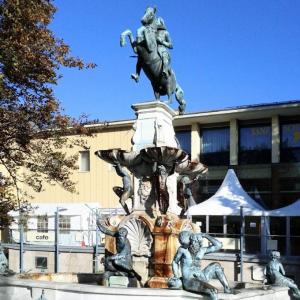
column 255, row 144
column 64, row 223
column 230, row 227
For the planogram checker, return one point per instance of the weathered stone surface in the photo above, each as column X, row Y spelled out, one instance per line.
column 118, row 281
column 16, row 289
column 258, row 273
column 141, row 266
column 153, row 128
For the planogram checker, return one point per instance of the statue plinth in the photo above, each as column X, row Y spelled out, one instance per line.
column 153, row 126
column 165, row 246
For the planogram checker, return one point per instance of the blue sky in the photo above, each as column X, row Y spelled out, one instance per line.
column 226, row 53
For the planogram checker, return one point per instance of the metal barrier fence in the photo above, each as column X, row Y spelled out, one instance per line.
column 55, row 250
column 67, row 247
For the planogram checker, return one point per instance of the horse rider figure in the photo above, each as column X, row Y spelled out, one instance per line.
column 151, row 46
column 163, row 41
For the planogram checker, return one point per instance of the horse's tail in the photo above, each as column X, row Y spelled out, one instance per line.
column 179, row 97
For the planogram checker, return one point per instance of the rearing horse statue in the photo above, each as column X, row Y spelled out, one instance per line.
column 152, row 62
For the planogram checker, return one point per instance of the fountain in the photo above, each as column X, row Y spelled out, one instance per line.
column 153, row 224
column 147, row 246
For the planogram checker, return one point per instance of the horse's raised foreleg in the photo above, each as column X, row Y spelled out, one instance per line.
column 123, row 36
column 180, row 100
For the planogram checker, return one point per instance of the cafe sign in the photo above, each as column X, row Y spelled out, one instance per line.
column 34, row 236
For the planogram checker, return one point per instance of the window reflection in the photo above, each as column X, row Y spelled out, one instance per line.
column 255, row 142
column 215, row 146
column 290, row 142
column 277, row 233
column 184, row 139
column 295, row 236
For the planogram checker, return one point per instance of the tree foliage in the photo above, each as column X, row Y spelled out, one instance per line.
column 32, row 125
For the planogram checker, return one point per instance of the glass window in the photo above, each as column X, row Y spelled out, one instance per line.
column 216, row 224
column 252, row 234
column 215, row 146
column 295, row 236
column 290, row 143
column 64, row 224
column 255, row 143
column 278, row 232
column 42, row 223
column 184, row 139
column 233, row 225
column 201, row 222
column 277, row 225
column 84, row 161
column 41, row 262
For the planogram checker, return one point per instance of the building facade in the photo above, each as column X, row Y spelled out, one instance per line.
column 260, row 142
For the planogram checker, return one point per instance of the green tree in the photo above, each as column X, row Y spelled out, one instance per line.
column 32, row 125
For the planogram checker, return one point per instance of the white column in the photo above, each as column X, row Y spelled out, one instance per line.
column 275, row 140
column 234, row 142
column 195, row 141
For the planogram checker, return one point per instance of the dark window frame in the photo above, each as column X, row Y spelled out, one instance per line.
column 288, row 154
column 42, row 223
column 216, row 158
column 64, row 224
column 81, row 157
column 255, row 156
column 188, row 149
column 41, row 262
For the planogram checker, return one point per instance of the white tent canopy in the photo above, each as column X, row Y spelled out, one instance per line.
column 292, row 210
column 228, row 200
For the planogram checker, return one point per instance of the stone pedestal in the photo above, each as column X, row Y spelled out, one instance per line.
column 154, row 128
column 165, row 247
column 118, row 281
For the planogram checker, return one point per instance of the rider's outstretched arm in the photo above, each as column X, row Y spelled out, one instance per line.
column 216, row 245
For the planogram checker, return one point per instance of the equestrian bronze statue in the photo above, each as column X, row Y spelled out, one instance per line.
column 151, row 46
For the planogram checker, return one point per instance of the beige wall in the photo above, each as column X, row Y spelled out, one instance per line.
column 96, row 185
column 29, row 260
column 68, row 262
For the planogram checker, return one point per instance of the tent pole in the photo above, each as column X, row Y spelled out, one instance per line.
column 287, row 237
column 242, row 243
column 263, row 230
column 207, row 224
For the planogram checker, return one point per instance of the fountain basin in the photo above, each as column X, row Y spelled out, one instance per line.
column 82, row 278
column 25, row 289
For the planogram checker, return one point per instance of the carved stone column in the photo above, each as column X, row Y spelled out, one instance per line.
column 153, row 128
